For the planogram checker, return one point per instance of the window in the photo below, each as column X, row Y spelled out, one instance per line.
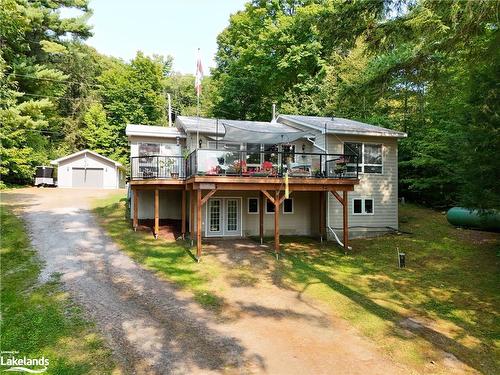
column 271, row 153
column 148, row 166
column 253, row 153
column 253, row 205
column 231, row 215
column 146, row 149
column 215, row 215
column 362, row 206
column 288, row 206
column 372, row 158
column 269, row 207
column 369, row 156
column 288, row 153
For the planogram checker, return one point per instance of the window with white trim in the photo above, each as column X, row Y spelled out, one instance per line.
column 362, row 206
column 288, row 206
column 369, row 156
column 269, row 207
column 253, row 205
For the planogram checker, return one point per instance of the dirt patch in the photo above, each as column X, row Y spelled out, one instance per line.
column 170, row 230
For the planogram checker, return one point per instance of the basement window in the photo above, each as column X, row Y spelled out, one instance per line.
column 288, row 206
column 362, row 206
column 253, row 205
column 269, row 207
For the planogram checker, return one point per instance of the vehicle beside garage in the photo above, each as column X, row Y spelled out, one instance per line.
column 88, row 169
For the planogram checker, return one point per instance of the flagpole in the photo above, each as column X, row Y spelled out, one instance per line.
column 198, row 115
column 199, row 76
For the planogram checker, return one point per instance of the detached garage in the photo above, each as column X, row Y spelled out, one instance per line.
column 88, row 169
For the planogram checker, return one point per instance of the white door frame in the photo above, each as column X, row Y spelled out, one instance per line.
column 220, row 232
column 223, row 218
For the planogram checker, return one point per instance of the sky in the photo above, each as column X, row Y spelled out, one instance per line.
column 166, row 27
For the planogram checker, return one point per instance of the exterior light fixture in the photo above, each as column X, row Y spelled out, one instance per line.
column 177, row 141
column 303, row 147
column 199, row 143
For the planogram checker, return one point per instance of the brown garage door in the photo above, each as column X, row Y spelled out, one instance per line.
column 88, row 177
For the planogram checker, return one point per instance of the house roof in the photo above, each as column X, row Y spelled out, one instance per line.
column 57, row 161
column 338, row 125
column 153, row 131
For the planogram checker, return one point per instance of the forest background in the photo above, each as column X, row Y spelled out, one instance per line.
column 428, row 68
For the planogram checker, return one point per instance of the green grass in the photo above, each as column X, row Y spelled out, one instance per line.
column 8, row 186
column 38, row 319
column 450, row 285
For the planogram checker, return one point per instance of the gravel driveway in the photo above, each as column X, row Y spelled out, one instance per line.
column 153, row 328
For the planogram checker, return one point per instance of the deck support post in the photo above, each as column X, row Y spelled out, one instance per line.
column 277, row 222
column 135, row 220
column 191, row 216
column 183, row 215
column 198, row 225
column 321, row 215
column 261, row 217
column 345, row 216
column 157, row 213
column 345, row 223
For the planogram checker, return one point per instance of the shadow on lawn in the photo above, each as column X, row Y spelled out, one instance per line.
column 311, row 268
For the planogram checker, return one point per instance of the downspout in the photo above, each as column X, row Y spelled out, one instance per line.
column 328, row 203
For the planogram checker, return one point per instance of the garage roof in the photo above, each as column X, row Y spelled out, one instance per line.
column 57, row 161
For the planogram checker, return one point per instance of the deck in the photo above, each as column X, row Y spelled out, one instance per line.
column 204, row 172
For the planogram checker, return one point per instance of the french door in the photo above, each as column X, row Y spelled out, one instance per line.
column 223, row 217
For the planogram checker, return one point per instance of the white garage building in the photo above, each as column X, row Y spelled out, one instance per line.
column 88, row 169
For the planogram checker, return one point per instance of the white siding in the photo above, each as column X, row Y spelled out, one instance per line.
column 65, row 174
column 301, row 222
column 383, row 188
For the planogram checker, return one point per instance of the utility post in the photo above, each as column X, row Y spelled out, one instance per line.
column 169, row 110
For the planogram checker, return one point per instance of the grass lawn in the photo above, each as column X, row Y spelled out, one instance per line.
column 39, row 319
column 449, row 288
column 446, row 299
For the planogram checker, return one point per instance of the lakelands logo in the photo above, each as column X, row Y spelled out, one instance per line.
column 23, row 364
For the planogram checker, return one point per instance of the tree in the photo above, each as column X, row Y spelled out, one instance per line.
column 425, row 67
column 133, row 94
column 276, row 52
column 98, row 134
column 22, row 133
column 31, row 36
column 183, row 94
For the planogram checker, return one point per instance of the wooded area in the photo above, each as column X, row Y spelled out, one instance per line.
column 429, row 68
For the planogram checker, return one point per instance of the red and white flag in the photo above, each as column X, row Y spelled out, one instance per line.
column 199, row 75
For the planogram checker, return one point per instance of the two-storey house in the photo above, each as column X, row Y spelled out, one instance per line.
column 297, row 175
